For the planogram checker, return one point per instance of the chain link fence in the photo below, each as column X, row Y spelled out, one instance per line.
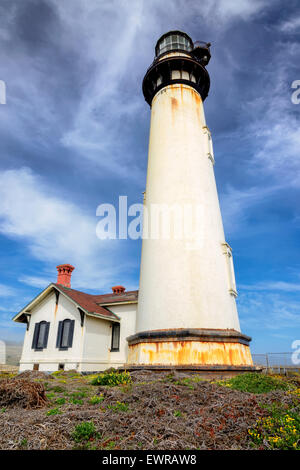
column 276, row 362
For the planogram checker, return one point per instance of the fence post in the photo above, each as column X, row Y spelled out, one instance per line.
column 267, row 362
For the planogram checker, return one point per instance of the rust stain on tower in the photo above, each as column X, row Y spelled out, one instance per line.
column 174, row 104
column 191, row 352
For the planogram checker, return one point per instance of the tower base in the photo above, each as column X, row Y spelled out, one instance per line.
column 211, row 351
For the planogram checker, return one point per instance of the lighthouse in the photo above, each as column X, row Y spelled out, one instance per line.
column 187, row 315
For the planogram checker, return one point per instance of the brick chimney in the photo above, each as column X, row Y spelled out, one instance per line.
column 118, row 289
column 64, row 274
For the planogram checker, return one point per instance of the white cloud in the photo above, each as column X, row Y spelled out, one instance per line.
column 272, row 286
column 290, row 25
column 120, row 49
column 274, row 121
column 56, row 231
column 227, row 10
column 96, row 132
column 6, row 291
column 113, row 41
column 37, row 281
column 237, row 205
column 268, row 311
column 273, row 142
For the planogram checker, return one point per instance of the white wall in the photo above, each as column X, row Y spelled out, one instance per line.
column 182, row 288
column 127, row 314
column 50, row 357
column 97, row 341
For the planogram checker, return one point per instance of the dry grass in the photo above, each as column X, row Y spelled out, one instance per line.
column 158, row 411
column 22, row 393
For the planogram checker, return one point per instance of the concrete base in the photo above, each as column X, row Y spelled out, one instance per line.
column 205, row 372
column 190, row 348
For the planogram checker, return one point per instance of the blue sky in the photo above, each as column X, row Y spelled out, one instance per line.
column 74, row 134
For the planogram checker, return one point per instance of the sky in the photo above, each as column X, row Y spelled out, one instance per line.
column 74, row 134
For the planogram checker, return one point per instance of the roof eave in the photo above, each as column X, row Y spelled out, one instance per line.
column 31, row 304
column 103, row 317
column 122, row 302
column 45, row 292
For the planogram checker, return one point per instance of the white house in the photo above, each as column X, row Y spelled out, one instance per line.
column 68, row 329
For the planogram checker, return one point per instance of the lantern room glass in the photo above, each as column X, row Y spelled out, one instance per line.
column 174, row 41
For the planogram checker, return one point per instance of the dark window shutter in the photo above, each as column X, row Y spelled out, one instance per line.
column 35, row 335
column 118, row 335
column 71, row 333
column 115, row 340
column 46, row 335
column 59, row 334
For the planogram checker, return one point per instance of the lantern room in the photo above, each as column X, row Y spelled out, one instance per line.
column 178, row 60
column 173, row 41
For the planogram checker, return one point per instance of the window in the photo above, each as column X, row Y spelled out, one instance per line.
column 115, row 337
column 182, row 74
column 208, row 144
column 159, row 80
column 61, row 367
column 65, row 334
column 230, row 269
column 175, row 41
column 40, row 335
column 176, row 74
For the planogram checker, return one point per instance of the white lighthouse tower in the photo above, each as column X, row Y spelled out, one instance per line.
column 187, row 315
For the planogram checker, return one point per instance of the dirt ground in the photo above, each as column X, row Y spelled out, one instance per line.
column 158, row 411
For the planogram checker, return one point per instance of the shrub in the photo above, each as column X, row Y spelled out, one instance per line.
column 57, row 389
column 84, row 431
column 119, row 406
column 96, row 399
column 53, row 411
column 80, row 394
column 281, row 430
column 112, row 379
column 6, row 375
column 50, row 396
column 184, row 381
column 60, row 401
column 255, row 383
column 295, row 392
column 22, row 393
column 110, row 445
column 76, row 401
column 76, row 398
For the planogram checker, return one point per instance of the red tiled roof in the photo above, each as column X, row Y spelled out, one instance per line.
column 89, row 302
column 130, row 296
